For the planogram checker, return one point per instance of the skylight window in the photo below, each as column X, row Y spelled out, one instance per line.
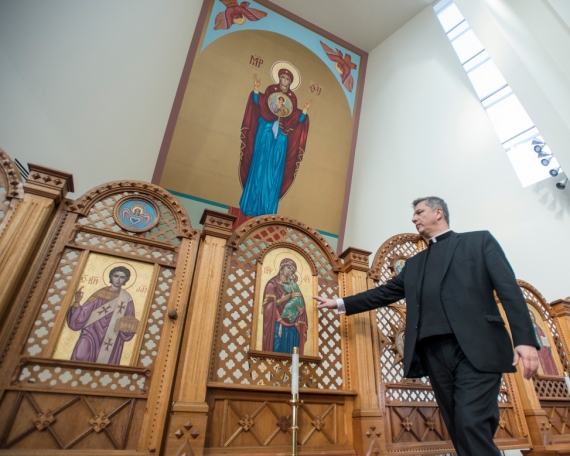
column 513, row 125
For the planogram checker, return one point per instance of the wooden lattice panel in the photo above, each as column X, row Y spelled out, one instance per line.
column 51, row 305
column 113, row 246
column 533, row 297
column 60, row 375
column 391, row 319
column 231, row 363
column 403, row 246
column 101, row 217
column 551, row 389
column 156, row 318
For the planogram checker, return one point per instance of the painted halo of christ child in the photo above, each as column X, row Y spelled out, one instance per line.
column 284, row 313
column 106, row 321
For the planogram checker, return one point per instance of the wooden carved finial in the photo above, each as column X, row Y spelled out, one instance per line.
column 356, row 259
column 48, row 182
column 217, row 224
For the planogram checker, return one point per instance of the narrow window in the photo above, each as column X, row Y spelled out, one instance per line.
column 531, row 158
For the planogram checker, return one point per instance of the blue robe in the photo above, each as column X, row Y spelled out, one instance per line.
column 263, row 186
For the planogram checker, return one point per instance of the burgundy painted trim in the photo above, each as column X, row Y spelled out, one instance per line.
column 179, row 97
column 311, row 26
column 358, row 107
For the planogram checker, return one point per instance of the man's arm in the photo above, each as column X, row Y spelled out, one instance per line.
column 380, row 296
column 505, row 284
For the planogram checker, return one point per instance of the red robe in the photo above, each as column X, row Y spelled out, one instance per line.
column 296, row 131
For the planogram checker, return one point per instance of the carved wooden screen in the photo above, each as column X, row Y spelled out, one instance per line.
column 411, row 416
column 63, row 388
column 551, row 390
column 11, row 189
column 248, row 393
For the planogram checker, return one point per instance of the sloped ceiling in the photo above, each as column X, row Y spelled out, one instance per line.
column 363, row 23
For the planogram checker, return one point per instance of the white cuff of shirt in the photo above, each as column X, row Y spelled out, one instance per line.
column 340, row 306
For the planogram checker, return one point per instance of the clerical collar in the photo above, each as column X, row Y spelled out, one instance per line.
column 441, row 236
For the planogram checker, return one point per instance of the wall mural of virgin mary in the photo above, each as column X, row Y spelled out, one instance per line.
column 285, row 322
column 273, row 138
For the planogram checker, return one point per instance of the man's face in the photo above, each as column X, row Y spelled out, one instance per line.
column 426, row 220
column 285, row 82
column 118, row 279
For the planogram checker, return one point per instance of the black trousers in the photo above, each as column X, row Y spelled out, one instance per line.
column 467, row 398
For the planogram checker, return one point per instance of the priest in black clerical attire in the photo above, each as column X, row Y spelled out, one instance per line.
column 454, row 330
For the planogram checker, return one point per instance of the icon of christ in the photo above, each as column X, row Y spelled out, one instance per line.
column 106, row 321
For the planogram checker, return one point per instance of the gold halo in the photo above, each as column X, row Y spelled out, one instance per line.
column 132, row 279
column 280, row 64
column 293, row 255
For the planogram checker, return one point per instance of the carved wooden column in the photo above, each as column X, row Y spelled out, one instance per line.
column 189, row 416
column 367, row 418
column 44, row 190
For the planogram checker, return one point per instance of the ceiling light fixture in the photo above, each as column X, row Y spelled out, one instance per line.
column 562, row 184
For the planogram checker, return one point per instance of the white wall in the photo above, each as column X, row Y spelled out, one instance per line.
column 530, row 43
column 423, row 132
column 87, row 86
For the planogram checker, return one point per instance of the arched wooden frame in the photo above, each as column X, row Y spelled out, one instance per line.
column 259, row 234
column 380, row 258
column 258, row 304
column 244, row 230
column 174, row 261
column 86, row 202
column 13, row 183
column 545, row 311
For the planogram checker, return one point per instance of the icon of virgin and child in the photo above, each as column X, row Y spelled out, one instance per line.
column 106, row 320
column 273, row 138
column 285, row 323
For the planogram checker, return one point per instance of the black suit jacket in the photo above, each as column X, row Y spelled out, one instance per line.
column 474, row 266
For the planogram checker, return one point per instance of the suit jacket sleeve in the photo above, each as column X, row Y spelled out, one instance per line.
column 505, row 284
column 380, row 296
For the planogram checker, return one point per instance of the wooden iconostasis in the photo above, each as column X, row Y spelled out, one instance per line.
column 90, row 348
column 126, row 331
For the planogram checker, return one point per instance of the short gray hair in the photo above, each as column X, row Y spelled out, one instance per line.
column 434, row 202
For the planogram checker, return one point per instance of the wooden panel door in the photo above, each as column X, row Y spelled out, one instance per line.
column 88, row 357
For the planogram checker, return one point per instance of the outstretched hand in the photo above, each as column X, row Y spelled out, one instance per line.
column 325, row 303
column 529, row 356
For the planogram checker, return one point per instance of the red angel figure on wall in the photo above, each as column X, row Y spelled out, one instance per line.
column 236, row 14
column 342, row 64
